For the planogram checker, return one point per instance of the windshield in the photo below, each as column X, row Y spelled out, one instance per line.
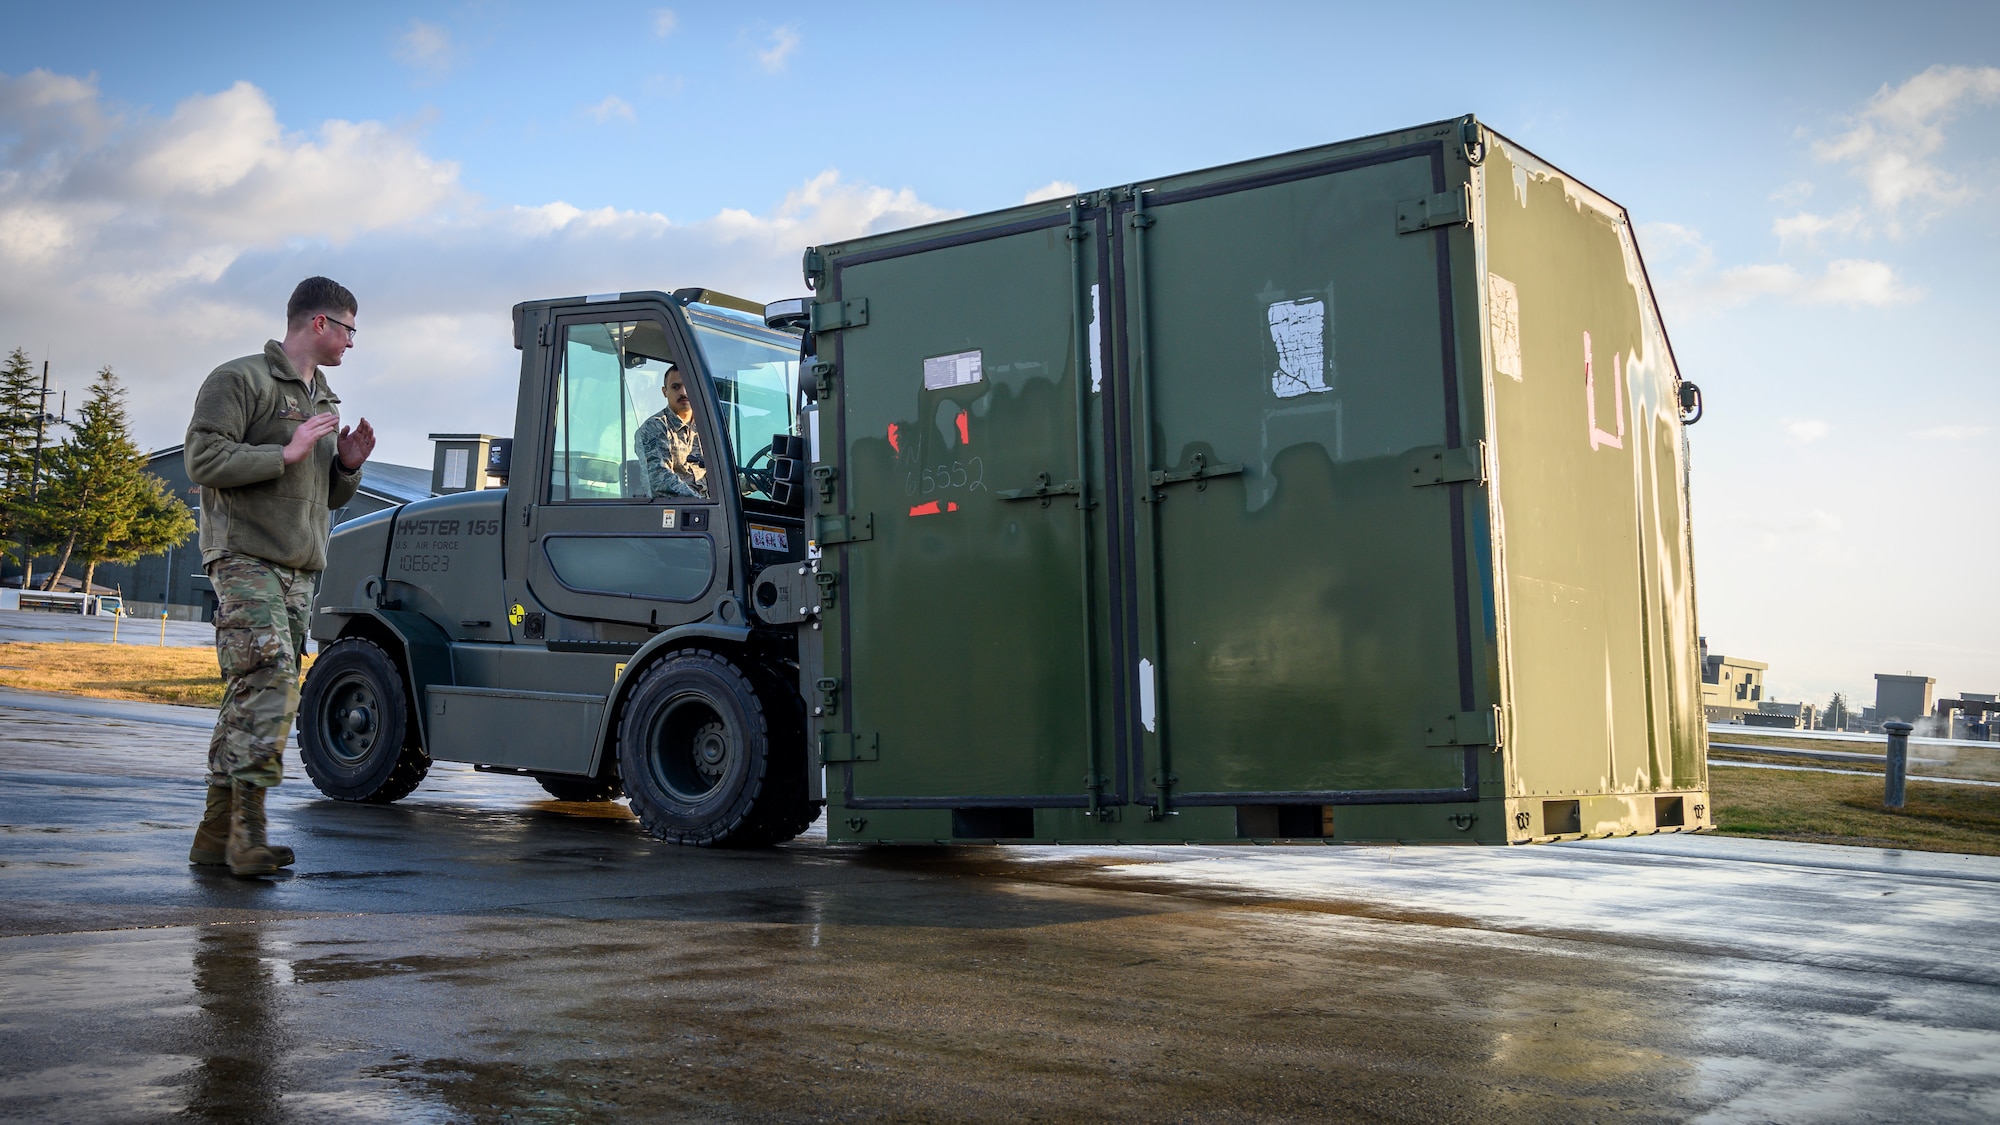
column 756, row 377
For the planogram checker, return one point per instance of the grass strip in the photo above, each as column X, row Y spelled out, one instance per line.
column 146, row 673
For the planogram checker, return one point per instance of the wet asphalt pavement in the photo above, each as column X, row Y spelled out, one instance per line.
column 477, row 953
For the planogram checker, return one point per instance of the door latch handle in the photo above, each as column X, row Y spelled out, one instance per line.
column 1044, row 489
column 1199, row 471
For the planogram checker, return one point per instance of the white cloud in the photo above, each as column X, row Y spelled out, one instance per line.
column 1895, row 137
column 784, row 41
column 1954, row 433
column 1689, row 281
column 612, row 106
column 1054, row 189
column 665, row 22
column 1805, row 431
column 426, row 48
column 1807, row 227
column 164, row 246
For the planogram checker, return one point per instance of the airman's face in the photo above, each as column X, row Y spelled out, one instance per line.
column 677, row 396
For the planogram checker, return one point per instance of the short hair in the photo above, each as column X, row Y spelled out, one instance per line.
column 316, row 295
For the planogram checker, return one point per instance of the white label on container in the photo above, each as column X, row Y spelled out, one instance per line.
column 1096, row 342
column 1504, row 315
column 958, row 370
column 1147, row 712
column 454, row 468
column 1298, row 328
column 766, row 538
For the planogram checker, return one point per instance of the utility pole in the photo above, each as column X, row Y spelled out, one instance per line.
column 35, row 477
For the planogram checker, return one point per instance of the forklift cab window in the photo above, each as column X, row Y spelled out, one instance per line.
column 754, row 373
column 612, row 410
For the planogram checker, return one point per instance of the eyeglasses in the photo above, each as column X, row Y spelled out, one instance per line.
column 343, row 324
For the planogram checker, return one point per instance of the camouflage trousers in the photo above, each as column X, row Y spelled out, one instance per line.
column 261, row 614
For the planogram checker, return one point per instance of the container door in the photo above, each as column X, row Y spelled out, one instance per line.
column 607, row 540
column 1302, row 632
column 960, row 673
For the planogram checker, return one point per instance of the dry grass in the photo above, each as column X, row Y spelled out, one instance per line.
column 1831, row 808
column 146, row 673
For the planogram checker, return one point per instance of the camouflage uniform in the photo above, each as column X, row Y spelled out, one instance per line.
column 262, row 611
column 670, row 449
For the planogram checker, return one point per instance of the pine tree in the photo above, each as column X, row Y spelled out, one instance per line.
column 159, row 521
column 94, row 483
column 20, row 408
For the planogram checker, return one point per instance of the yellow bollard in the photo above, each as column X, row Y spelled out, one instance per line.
column 114, row 626
column 163, row 628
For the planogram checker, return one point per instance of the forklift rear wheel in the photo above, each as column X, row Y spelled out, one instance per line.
column 354, row 726
column 694, row 748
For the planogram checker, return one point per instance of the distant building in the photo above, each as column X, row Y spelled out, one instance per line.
column 173, row 582
column 1802, row 716
column 1731, row 686
column 1902, row 697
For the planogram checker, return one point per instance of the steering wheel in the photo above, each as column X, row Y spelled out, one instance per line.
column 762, row 480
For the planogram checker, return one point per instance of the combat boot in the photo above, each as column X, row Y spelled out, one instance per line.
column 248, row 853
column 211, row 840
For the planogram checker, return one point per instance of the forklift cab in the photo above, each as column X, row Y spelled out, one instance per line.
column 621, row 542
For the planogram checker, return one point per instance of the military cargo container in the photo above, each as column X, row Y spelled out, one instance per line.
column 1338, row 495
column 1334, row 496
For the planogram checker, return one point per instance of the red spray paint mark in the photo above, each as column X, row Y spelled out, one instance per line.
column 895, row 437
column 929, row 509
column 964, row 428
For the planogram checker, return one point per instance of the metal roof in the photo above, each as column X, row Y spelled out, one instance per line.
column 394, row 484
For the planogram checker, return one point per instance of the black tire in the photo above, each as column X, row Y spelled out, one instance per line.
column 695, row 751
column 354, row 726
column 787, row 807
column 570, row 787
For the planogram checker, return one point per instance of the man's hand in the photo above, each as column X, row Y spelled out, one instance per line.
column 308, row 435
column 356, row 444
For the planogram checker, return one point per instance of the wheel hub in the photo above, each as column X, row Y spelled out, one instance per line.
column 711, row 750
column 358, row 720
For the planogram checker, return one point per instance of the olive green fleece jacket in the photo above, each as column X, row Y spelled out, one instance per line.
column 252, row 503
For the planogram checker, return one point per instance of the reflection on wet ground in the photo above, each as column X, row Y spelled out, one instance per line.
column 476, row 953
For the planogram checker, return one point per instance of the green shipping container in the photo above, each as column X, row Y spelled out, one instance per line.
column 1337, row 496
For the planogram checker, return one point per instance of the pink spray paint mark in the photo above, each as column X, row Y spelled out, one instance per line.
column 964, row 428
column 1599, row 437
column 895, row 437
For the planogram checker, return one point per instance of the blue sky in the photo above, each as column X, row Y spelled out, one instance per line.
column 1813, row 186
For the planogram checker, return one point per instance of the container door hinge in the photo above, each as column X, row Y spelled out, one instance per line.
column 846, row 529
column 839, row 746
column 829, row 584
column 1044, row 489
column 829, row 696
column 830, row 315
column 1445, row 209
column 1434, row 464
column 1464, row 728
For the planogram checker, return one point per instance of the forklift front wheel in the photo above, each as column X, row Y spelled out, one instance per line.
column 354, row 726
column 694, row 748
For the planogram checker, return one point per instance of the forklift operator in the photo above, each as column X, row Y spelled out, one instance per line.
column 670, row 447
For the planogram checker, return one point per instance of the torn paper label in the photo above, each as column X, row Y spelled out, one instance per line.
column 958, row 370
column 1148, row 716
column 1096, row 342
column 1504, row 318
column 1298, row 328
